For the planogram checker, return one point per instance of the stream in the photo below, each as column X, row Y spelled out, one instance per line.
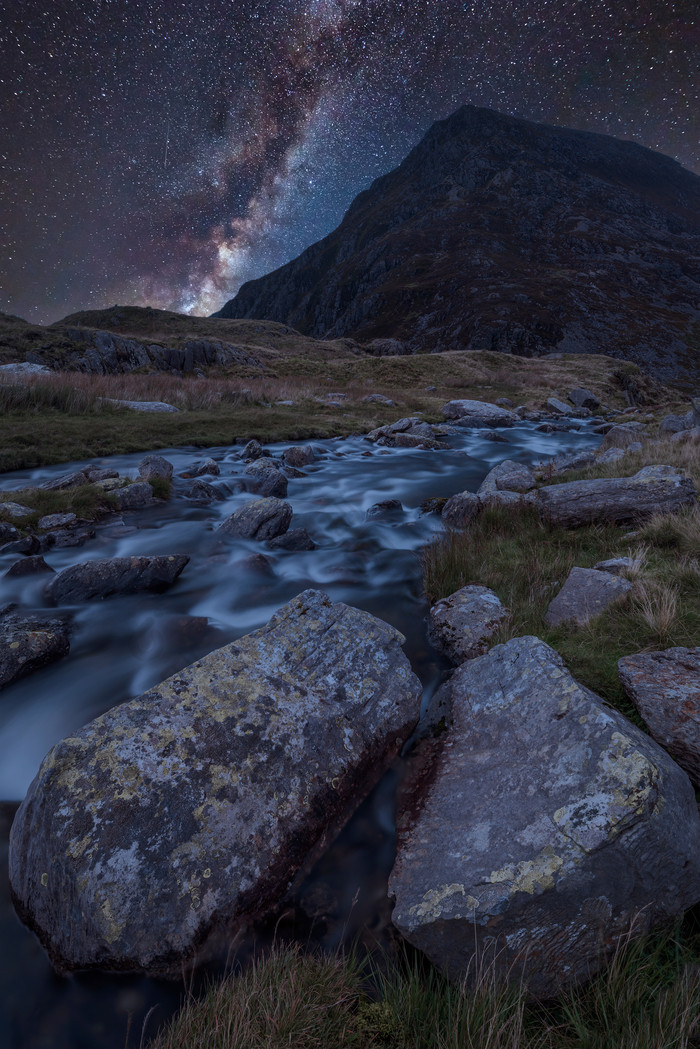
column 123, row 646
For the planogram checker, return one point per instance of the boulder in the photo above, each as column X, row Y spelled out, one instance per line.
column 559, row 407
column 461, row 509
column 209, row 467
column 142, row 406
column 611, row 455
column 28, row 566
column 676, row 423
column 252, row 450
column 260, row 519
column 574, row 460
column 8, row 532
column 29, row 642
column 49, row 521
column 387, row 509
column 463, row 624
column 378, row 398
column 507, row 476
column 74, row 479
column 586, row 593
column 549, row 827
column 294, row 539
column 155, row 466
column 299, row 455
column 686, row 435
column 665, row 689
column 135, row 496
column 66, row 537
column 114, row 575
column 616, row 565
column 621, row 436
column 15, row 510
column 202, row 492
column 266, row 478
column 189, row 810
column 582, row 398
column 478, row 413
column 653, row 489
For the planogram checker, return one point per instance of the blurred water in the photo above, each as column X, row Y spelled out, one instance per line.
column 122, row 646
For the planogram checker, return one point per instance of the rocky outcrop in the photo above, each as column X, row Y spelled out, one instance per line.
column 497, row 233
column 665, row 689
column 192, row 807
column 98, row 579
column 464, row 624
column 107, row 353
column 29, row 642
column 548, row 827
column 654, row 489
column 586, row 593
column 478, row 413
column 260, row 519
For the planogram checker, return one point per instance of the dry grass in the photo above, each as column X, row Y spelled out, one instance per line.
column 656, row 602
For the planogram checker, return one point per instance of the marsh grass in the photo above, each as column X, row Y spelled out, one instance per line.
column 85, row 501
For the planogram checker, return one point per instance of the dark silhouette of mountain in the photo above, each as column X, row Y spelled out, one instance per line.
column 497, row 233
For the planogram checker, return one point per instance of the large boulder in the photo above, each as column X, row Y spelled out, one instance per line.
column 29, row 642
column 547, row 828
column 586, row 593
column 583, row 398
column 259, row 519
column 155, row 466
column 461, row 509
column 110, row 576
column 654, row 489
column 507, row 476
column 665, row 689
column 463, row 624
column 478, row 413
column 193, row 806
column 266, row 478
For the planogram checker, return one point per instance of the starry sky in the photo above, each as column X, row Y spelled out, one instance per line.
column 162, row 152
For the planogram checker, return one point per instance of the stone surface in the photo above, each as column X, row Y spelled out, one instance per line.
column 294, row 539
column 56, row 521
column 507, row 476
column 135, row 496
column 8, row 532
column 573, row 460
column 260, row 519
column 585, row 594
column 616, row 565
column 252, row 450
column 29, row 642
column 192, row 807
column 73, row 479
column 559, row 407
column 209, row 467
column 653, row 489
column 463, row 624
column 461, row 509
column 676, row 423
column 265, row 477
column 15, row 510
column 155, row 466
column 686, row 435
column 202, row 492
column 299, row 455
column 548, row 824
column 387, row 509
column 582, row 398
column 611, row 455
column 28, row 566
column 478, row 413
column 665, row 689
column 114, row 575
column 378, row 398
column 621, row 436
column 143, row 406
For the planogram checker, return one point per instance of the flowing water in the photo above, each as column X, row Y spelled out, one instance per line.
column 124, row 645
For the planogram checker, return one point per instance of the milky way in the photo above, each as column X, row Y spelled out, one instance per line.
column 161, row 153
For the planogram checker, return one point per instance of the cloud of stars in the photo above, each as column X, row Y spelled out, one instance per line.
column 162, row 153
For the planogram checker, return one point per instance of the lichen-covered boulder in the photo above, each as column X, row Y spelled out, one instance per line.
column 463, row 624
column 665, row 689
column 192, row 807
column 586, row 593
column 29, row 642
column 507, row 476
column 653, row 489
column 548, row 824
column 109, row 576
column 265, row 477
column 461, row 509
column 259, row 519
column 155, row 466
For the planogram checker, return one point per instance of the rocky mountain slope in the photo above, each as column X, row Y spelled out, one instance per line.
column 498, row 233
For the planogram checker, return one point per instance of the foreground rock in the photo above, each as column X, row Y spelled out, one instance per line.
column 154, row 467
column 665, row 689
column 463, row 624
column 194, row 805
column 586, row 593
column 461, row 509
column 114, row 575
column 654, row 489
column 266, row 478
column 478, row 413
column 29, row 642
column 549, row 825
column 260, row 519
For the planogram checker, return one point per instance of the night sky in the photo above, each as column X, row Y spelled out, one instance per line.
column 161, row 152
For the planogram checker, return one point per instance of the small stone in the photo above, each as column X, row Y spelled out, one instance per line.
column 294, row 539
column 15, row 510
column 616, row 565
column 585, row 594
column 253, row 450
column 387, row 509
column 28, row 566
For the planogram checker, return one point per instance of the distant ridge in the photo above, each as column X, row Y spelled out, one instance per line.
column 498, row 233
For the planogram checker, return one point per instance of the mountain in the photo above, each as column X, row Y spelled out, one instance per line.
column 498, row 233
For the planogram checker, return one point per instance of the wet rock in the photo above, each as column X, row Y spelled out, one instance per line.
column 8, row 532
column 299, row 455
column 27, row 544
column 98, row 473
column 585, row 594
column 28, row 566
column 15, row 510
column 155, row 466
column 135, row 496
column 266, row 478
column 294, row 539
column 550, row 827
column 260, row 519
column 582, row 398
column 109, row 484
column 478, row 413
column 665, row 689
column 387, row 509
column 201, row 492
column 461, row 509
column 434, row 505
column 253, row 450
column 191, row 807
column 507, row 476
column 653, row 489
column 410, row 432
column 114, row 575
column 463, row 624
column 67, row 537
column 50, row 521
column 29, row 642
column 207, row 468
column 411, row 440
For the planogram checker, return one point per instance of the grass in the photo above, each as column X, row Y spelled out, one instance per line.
column 648, row 997
column 85, row 501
